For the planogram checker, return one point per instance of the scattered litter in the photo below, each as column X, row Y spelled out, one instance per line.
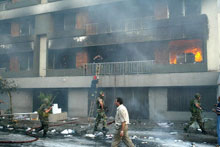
column 68, row 136
column 52, row 131
column 109, row 136
column 98, row 134
column 134, row 137
column 67, row 131
column 10, row 129
column 145, row 142
column 90, row 135
column 199, row 130
column 28, row 129
column 145, row 137
column 74, row 118
column 173, row 133
column 151, row 138
column 1, row 127
column 164, row 125
column 177, row 140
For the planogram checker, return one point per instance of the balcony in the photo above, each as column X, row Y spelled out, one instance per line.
column 127, row 68
column 21, row 3
column 136, row 30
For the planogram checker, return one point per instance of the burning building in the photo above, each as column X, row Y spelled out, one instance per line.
column 156, row 53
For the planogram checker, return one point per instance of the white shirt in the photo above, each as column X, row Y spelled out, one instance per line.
column 121, row 115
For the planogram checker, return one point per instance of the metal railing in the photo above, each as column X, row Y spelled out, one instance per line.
column 117, row 68
column 121, row 26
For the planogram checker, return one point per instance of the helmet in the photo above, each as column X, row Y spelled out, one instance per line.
column 197, row 95
column 46, row 101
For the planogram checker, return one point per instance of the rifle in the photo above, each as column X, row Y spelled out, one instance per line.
column 51, row 102
column 111, row 122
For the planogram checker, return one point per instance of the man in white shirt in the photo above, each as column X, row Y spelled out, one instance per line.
column 121, row 125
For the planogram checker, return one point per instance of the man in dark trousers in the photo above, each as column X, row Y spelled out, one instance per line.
column 196, row 110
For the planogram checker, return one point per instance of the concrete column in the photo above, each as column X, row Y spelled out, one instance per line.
column 43, row 56
column 209, row 7
column 78, row 103
column 44, row 1
column 157, row 103
column 22, row 101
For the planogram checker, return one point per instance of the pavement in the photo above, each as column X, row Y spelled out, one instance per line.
column 142, row 132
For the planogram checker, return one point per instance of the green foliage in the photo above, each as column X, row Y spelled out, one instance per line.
column 45, row 97
column 7, row 86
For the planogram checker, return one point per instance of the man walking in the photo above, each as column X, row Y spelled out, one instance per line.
column 196, row 110
column 121, row 125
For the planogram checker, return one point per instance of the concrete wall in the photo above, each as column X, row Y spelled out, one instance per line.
column 157, row 103
column 158, row 107
column 209, row 7
column 138, row 80
column 51, row 7
column 22, row 101
column 77, row 102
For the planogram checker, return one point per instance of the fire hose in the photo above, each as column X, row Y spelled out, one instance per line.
column 31, row 135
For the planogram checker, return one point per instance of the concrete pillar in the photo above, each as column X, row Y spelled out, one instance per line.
column 22, row 101
column 43, row 56
column 157, row 103
column 44, row 1
column 78, row 103
column 209, row 7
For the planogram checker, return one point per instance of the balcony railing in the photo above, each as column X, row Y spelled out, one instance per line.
column 127, row 68
column 118, row 68
column 122, row 26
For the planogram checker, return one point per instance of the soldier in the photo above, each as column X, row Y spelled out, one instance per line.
column 43, row 113
column 1, row 103
column 101, row 116
column 196, row 109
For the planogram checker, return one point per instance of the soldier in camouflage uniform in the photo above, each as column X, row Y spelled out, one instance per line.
column 196, row 109
column 101, row 116
column 43, row 113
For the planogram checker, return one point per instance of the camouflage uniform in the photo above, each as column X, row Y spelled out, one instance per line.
column 43, row 116
column 101, row 116
column 196, row 115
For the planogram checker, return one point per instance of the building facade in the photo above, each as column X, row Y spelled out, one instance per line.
column 156, row 53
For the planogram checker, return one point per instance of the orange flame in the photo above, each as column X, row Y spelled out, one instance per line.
column 196, row 51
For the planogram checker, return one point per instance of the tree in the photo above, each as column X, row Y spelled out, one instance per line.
column 7, row 87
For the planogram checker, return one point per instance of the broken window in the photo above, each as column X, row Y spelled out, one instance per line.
column 21, row 62
column 22, row 27
column 175, row 8
column 69, row 21
column 185, row 51
column 16, row 62
column 5, row 28
column 58, row 20
column 81, row 19
column 192, row 7
column 61, row 59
